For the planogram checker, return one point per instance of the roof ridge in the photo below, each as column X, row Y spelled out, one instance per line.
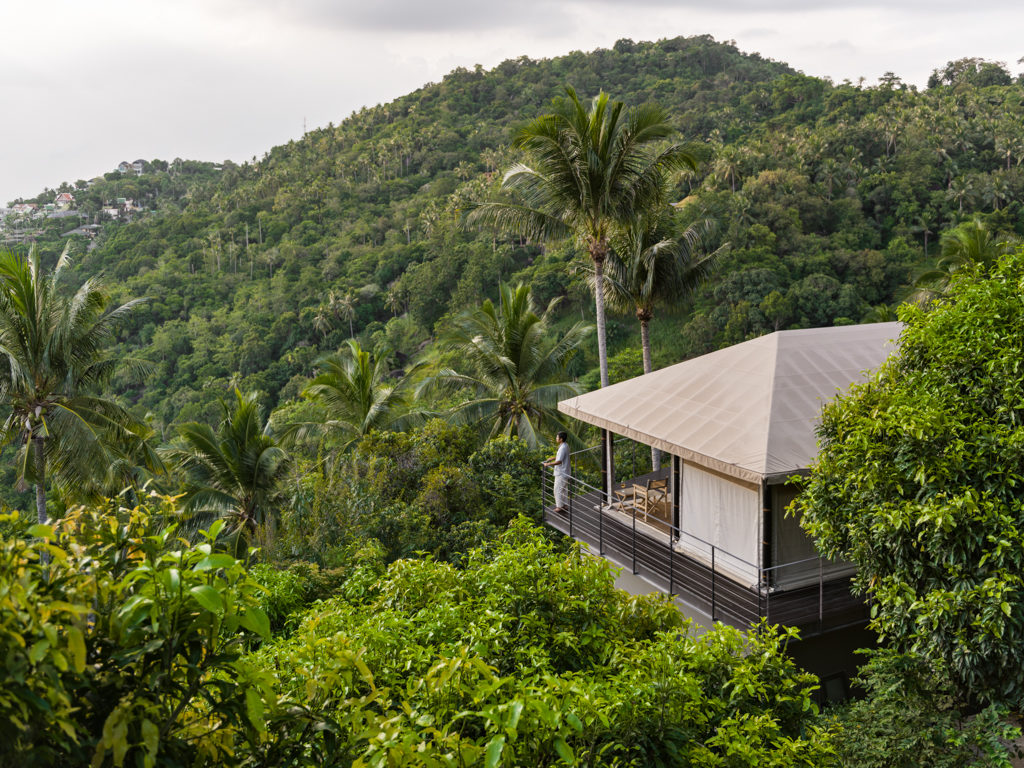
column 772, row 368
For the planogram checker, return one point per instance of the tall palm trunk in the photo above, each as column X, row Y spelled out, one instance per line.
column 40, row 461
column 645, row 344
column 598, row 253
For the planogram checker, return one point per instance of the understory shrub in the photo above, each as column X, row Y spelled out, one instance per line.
column 121, row 643
column 528, row 655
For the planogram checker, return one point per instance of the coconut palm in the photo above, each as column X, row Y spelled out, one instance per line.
column 513, row 369
column 649, row 265
column 56, row 358
column 233, row 472
column 587, row 171
column 359, row 395
column 970, row 245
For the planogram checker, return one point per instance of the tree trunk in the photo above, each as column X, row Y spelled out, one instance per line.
column 645, row 340
column 597, row 253
column 602, row 347
column 645, row 345
column 40, row 461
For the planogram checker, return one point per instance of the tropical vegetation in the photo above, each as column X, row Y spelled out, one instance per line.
column 918, row 483
column 512, row 370
column 233, row 473
column 403, row 607
column 55, row 362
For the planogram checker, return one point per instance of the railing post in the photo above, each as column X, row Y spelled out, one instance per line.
column 712, row 582
column 821, row 595
column 634, row 542
column 568, row 481
column 606, row 482
column 671, row 563
column 600, row 527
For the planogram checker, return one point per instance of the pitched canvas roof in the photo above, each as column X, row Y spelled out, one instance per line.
column 748, row 411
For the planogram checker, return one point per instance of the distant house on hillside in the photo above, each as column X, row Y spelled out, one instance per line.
column 24, row 208
column 124, row 166
column 710, row 527
column 139, row 166
column 64, row 200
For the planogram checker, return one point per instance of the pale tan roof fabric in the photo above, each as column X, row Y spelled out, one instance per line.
column 749, row 410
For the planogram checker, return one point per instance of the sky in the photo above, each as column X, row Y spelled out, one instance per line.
column 86, row 85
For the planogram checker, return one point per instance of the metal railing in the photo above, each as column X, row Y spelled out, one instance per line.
column 717, row 582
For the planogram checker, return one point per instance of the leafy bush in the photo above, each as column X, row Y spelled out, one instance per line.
column 910, row 718
column 919, row 482
column 121, row 642
column 528, row 655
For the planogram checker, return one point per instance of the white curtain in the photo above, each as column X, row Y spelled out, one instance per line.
column 722, row 513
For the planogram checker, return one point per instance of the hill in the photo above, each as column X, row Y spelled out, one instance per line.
column 830, row 195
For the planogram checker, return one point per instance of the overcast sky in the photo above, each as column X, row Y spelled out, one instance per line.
column 85, row 85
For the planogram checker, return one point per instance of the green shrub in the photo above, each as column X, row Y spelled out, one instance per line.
column 126, row 646
column 910, row 717
column 527, row 655
column 284, row 593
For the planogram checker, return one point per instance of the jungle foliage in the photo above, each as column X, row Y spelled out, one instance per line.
column 832, row 197
column 918, row 482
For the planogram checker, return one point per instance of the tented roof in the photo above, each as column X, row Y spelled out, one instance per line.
column 748, row 411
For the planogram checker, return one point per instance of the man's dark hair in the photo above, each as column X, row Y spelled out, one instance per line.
column 564, row 436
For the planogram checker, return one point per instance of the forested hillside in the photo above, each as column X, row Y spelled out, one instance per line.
column 830, row 196
column 286, row 502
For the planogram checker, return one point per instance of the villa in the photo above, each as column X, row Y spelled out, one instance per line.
column 736, row 428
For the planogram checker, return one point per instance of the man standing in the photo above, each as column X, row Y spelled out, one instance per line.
column 560, row 462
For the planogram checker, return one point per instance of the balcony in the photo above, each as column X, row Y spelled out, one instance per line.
column 637, row 532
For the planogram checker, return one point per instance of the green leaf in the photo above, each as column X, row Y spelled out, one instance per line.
column 256, row 621
column 1006, row 608
column 494, row 748
column 208, row 597
column 41, row 531
column 76, row 644
column 564, row 751
column 254, row 709
column 150, row 739
column 214, row 562
column 515, row 712
column 215, row 530
column 37, row 651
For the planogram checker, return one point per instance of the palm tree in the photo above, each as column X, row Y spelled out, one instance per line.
column 968, row 246
column 590, row 170
column 233, row 472
column 344, row 307
column 514, row 370
column 359, row 395
column 650, row 265
column 55, row 359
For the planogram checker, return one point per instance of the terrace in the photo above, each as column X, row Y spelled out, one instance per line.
column 734, row 427
column 640, row 537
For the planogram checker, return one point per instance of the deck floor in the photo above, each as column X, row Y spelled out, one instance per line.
column 647, row 550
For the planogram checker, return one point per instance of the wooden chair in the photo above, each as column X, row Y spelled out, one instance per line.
column 651, row 496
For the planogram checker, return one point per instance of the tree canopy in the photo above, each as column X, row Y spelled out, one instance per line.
column 919, row 482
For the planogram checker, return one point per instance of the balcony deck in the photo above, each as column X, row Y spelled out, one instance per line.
column 651, row 551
